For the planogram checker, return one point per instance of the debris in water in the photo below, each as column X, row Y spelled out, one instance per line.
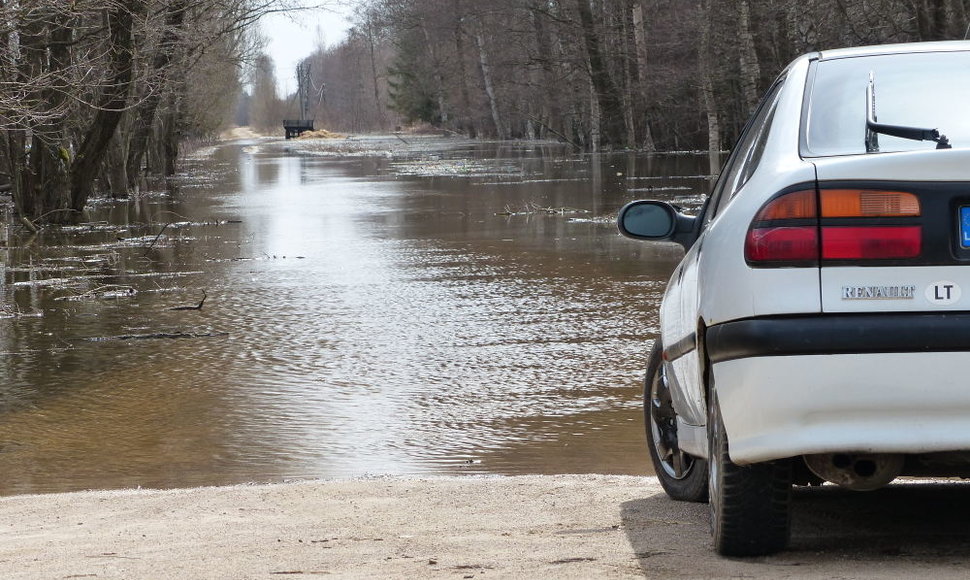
column 108, row 292
column 196, row 307
column 533, row 208
column 158, row 335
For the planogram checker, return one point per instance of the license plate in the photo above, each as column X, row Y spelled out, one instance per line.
column 965, row 226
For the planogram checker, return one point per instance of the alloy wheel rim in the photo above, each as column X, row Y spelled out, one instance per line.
column 663, row 426
column 714, row 469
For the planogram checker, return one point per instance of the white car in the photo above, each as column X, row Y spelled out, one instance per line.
column 817, row 327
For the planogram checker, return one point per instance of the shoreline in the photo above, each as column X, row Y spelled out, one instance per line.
column 560, row 526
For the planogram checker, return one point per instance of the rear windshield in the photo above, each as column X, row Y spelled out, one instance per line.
column 927, row 90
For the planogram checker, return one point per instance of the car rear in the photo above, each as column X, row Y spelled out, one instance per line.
column 878, row 364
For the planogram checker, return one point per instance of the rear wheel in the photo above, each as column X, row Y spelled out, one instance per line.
column 749, row 503
column 683, row 476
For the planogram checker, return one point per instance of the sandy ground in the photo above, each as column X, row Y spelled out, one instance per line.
column 469, row 528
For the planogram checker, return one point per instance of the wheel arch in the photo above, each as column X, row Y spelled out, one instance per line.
column 706, row 371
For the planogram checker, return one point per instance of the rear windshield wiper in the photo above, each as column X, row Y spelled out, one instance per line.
column 874, row 129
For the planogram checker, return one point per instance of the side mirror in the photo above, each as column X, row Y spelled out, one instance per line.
column 657, row 221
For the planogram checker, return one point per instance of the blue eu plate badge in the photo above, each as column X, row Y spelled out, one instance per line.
column 965, row 226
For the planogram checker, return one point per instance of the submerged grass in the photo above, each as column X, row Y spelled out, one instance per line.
column 533, row 208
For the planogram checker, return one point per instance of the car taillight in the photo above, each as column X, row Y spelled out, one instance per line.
column 803, row 227
column 871, row 243
column 782, row 244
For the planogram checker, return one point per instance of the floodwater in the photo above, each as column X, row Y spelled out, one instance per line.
column 420, row 311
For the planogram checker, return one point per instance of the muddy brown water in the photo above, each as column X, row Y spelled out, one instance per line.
column 405, row 312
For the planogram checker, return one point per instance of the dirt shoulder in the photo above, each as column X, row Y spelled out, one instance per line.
column 473, row 527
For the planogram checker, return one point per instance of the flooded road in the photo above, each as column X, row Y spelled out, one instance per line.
column 459, row 308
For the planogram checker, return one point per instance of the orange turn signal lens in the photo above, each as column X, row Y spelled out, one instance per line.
column 837, row 203
column 797, row 205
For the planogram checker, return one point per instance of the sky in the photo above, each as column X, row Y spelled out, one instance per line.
column 293, row 37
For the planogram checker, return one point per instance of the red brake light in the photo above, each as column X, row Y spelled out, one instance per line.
column 871, row 242
column 783, row 244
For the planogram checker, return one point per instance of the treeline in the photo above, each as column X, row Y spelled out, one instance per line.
column 103, row 93
column 644, row 74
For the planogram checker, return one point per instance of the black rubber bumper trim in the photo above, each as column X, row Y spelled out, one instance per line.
column 682, row 347
column 839, row 334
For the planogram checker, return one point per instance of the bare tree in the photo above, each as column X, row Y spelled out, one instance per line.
column 91, row 89
column 621, row 74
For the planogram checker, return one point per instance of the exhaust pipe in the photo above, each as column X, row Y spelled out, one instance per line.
column 857, row 471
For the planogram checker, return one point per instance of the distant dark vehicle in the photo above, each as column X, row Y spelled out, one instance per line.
column 297, row 127
column 816, row 328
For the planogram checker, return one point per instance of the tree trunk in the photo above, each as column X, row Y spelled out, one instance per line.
column 465, row 123
column 44, row 191
column 171, row 136
column 595, row 120
column 378, row 106
column 13, row 165
column 750, row 70
column 115, row 166
column 640, row 38
column 439, row 79
column 605, row 91
column 629, row 76
column 111, row 104
column 931, row 19
column 551, row 110
column 164, row 55
column 959, row 20
column 707, row 91
column 487, row 80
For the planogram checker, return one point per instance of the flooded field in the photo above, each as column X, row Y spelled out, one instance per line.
column 293, row 312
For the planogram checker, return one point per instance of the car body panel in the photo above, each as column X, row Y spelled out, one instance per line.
column 904, row 48
column 899, row 289
column 776, row 407
column 905, row 166
column 685, row 310
column 679, row 330
column 934, row 287
column 741, row 291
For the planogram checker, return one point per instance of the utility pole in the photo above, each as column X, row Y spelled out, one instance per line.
column 303, row 84
column 295, row 127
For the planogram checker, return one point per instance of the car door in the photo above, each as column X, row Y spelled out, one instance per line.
column 679, row 314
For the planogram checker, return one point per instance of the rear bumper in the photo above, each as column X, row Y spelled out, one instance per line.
column 841, row 383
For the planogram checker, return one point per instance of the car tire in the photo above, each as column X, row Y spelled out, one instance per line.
column 750, row 504
column 682, row 476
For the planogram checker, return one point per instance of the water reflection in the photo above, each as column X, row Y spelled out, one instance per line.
column 364, row 315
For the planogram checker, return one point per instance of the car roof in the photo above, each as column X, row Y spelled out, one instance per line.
column 906, row 48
